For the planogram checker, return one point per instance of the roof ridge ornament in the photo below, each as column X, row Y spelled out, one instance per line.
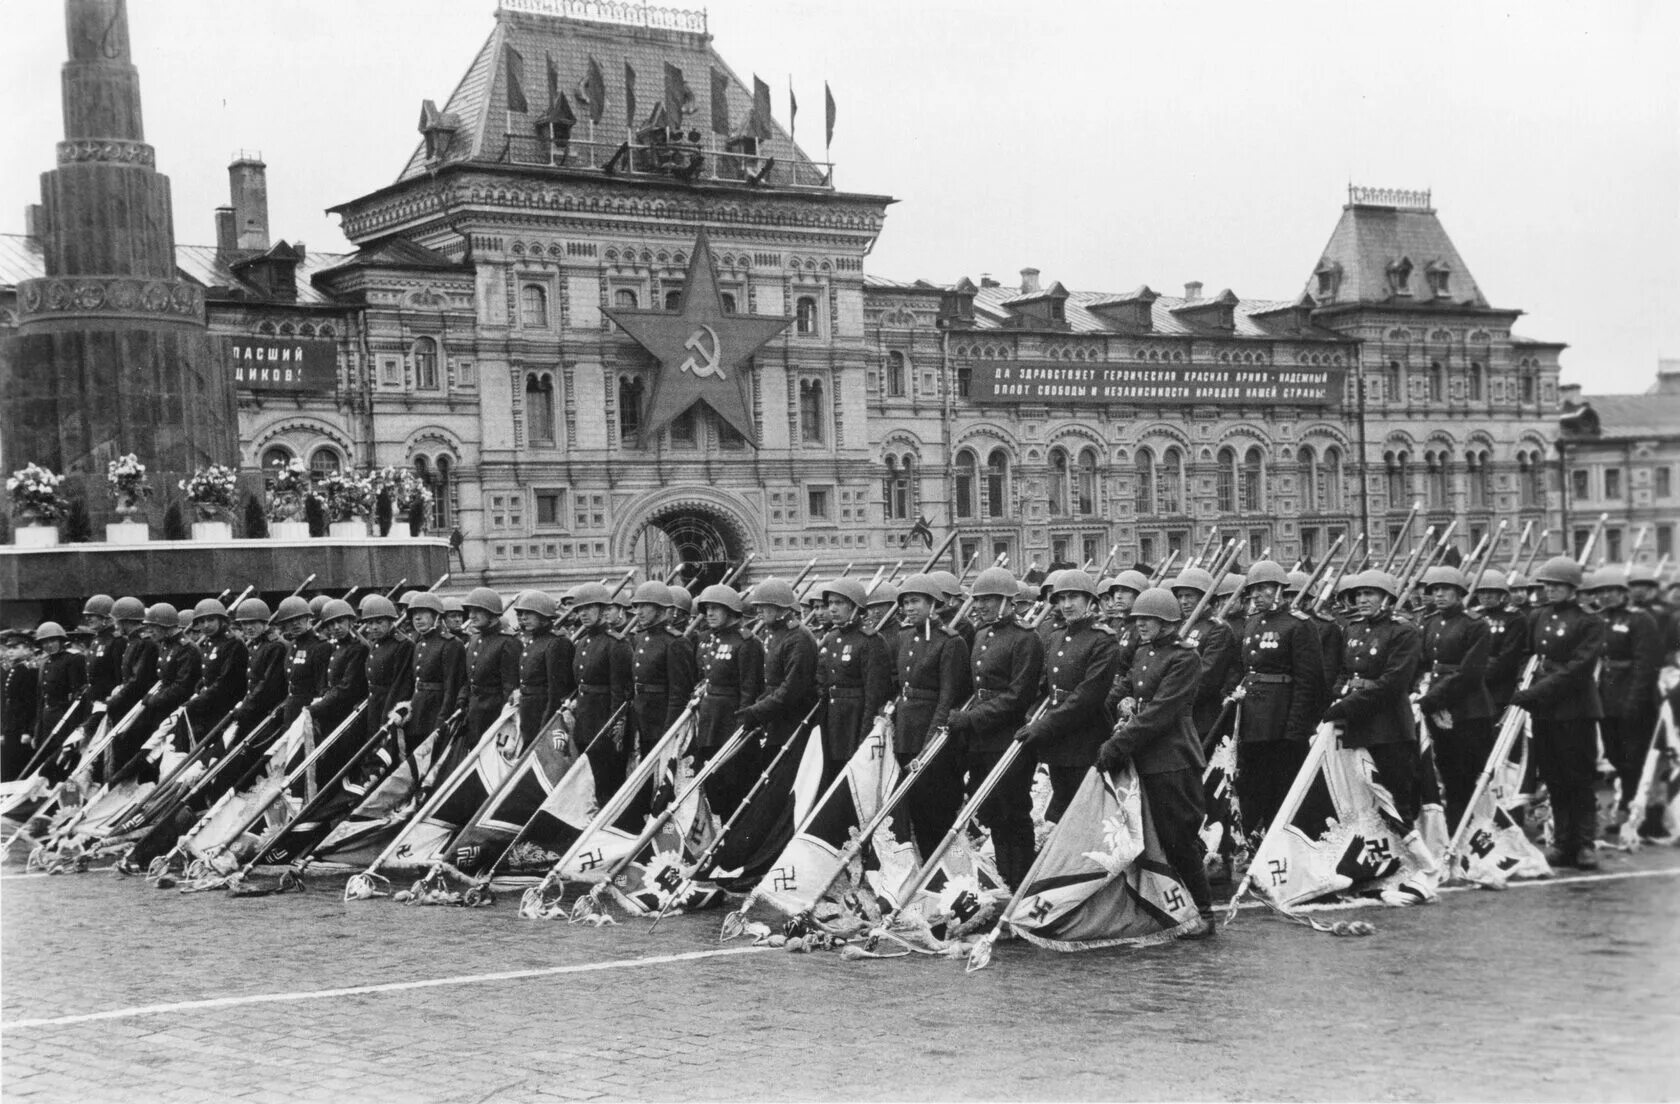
column 1408, row 199
column 613, row 11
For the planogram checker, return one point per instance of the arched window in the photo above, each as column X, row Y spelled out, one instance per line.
column 1397, row 467
column 1253, row 480
column 1144, row 475
column 684, row 433
column 275, row 457
column 1169, row 481
column 1478, row 382
column 1331, row 495
column 895, row 374
column 443, row 490
column 811, row 412
column 965, row 381
column 1058, row 482
column 673, row 299
column 629, row 410
column 1531, row 478
column 1437, row 382
column 997, row 484
column 625, row 297
column 728, row 299
column 1440, row 478
column 323, row 462
column 805, row 315
column 896, row 490
column 966, row 504
column 1225, row 482
column 1394, row 382
column 1530, row 384
column 1309, row 477
column 1087, row 486
column 425, row 354
column 1480, row 479
column 539, row 407
column 533, row 306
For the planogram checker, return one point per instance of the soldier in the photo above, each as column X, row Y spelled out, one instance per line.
column 105, row 653
column 1372, row 703
column 1280, row 695
column 1157, row 736
column 1052, row 622
column 139, row 658
column 1563, row 702
column 61, row 679
column 618, row 612
column 731, row 666
column 19, row 702
column 1627, row 684
column 601, row 672
column 440, row 672
column 1455, row 703
column 265, row 677
column 854, row 675
column 223, row 668
column 306, row 658
column 1123, row 594
column 346, row 684
column 1026, row 597
column 404, row 629
column 790, row 665
column 1507, row 639
column 492, row 663
column 1214, row 642
column 545, row 664
column 390, row 661
column 454, row 619
column 179, row 664
column 1642, row 592
column 661, row 665
column 682, row 609
column 950, row 603
column 882, row 613
column 933, row 679
column 1006, row 665
column 1079, row 671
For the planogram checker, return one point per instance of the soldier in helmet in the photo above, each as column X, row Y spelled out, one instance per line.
column 1627, row 683
column 618, row 612
column 390, row 661
column 62, row 678
column 1280, row 696
column 223, row 668
column 1052, row 622
column 179, row 665
column 492, row 663
column 1006, row 665
column 306, row 657
column 1026, row 598
column 682, row 609
column 1455, row 703
column 601, row 672
column 1079, row 671
column 854, row 674
column 950, row 603
column 105, row 651
column 933, row 679
column 1372, row 703
column 1122, row 594
column 1214, row 642
column 1643, row 592
column 882, row 615
column 1158, row 738
column 790, row 666
column 545, row 664
column 139, row 658
column 1563, row 701
column 813, row 612
column 265, row 671
column 346, row 683
column 454, row 619
column 1507, row 639
column 19, row 701
column 661, row 664
column 731, row 666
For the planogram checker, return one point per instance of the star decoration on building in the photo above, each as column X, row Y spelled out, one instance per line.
column 701, row 349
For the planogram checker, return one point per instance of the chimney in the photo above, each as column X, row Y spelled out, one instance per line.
column 1029, row 281
column 986, row 281
column 1193, row 290
column 34, row 221
column 227, row 237
column 248, row 186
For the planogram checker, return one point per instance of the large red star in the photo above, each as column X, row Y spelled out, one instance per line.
column 701, row 350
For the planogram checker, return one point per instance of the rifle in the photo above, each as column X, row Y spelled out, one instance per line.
column 1415, row 554
column 1221, row 568
column 1205, row 550
column 1425, row 564
column 299, row 588
column 391, row 595
column 1522, row 543
column 1166, row 566
column 1318, row 573
column 1329, row 592
column 1481, row 568
column 1592, row 539
column 1405, row 532
column 1534, row 553
column 1113, row 551
column 1633, row 549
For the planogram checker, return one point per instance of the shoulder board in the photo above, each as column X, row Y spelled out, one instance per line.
column 1103, row 628
column 1300, row 615
column 1185, row 644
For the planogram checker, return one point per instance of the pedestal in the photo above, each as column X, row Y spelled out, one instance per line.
column 354, row 529
column 288, row 530
column 127, row 532
column 209, row 532
column 36, row 535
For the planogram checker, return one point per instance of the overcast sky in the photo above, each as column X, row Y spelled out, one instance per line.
column 1108, row 144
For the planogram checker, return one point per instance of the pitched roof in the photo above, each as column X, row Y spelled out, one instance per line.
column 393, row 252
column 1252, row 317
column 21, row 259
column 1370, row 238
column 1640, row 416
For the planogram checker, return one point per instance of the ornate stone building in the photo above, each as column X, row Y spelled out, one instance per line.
column 1620, row 457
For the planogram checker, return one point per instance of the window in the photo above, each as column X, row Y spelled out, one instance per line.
column 1437, row 281
column 1058, row 550
column 967, row 550
column 966, row 506
column 1087, row 482
column 1612, row 545
column 805, row 316
column 507, row 511
column 1089, row 547
column 683, row 434
column 1146, row 549
column 1312, row 489
column 1581, row 536
column 1662, row 482
column 1579, row 488
column 1169, row 481
column 1665, row 541
column 811, row 413
column 1440, row 479
column 1481, row 479
column 965, row 382
column 1478, row 382
column 1259, row 546
column 1000, row 548
column 1531, row 479
column 539, row 408
column 673, row 299
column 728, row 298
column 533, row 307
column 551, row 508
column 390, row 372
column 425, row 354
column 625, row 297
column 1529, row 378
column 443, row 489
column 1397, row 469
column 1225, row 482
column 896, row 490
column 816, row 503
column 274, row 458
column 895, row 375
column 1331, row 492
column 1144, row 469
column 729, row 437
column 464, row 376
column 1309, row 544
column 1058, row 482
column 1437, row 382
column 1393, row 382
column 1253, row 480
column 997, row 484
column 1400, row 276
column 1613, row 487
column 629, row 410
column 323, row 462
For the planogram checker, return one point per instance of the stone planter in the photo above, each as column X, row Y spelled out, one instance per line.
column 127, row 531
column 35, row 535
column 354, row 529
column 207, row 532
column 288, row 530
column 399, row 531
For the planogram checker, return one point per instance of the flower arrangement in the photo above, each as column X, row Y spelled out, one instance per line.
column 34, row 494
column 290, row 488
column 347, row 495
column 211, row 491
column 125, row 478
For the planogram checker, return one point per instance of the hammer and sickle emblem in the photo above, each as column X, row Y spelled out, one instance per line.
column 696, row 343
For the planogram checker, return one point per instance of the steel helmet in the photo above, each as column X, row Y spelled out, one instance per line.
column 1349, row 582
column 1445, row 575
column 948, row 584
column 336, row 609
column 924, row 585
column 1377, row 580
column 1133, row 580
column 209, row 607
column 1608, row 578
column 1048, row 586
column 812, row 594
column 1073, row 581
column 539, row 602
column 163, row 615
column 98, row 606
column 291, row 608
column 773, row 592
column 1230, row 584
column 884, row 594
column 317, row 604
column 1559, row 569
column 720, row 595
column 1641, row 573
column 681, row 599
column 1265, row 571
column 849, row 589
column 1518, row 581
column 623, row 596
column 129, row 609
column 252, row 609
column 49, row 630
column 1296, row 580
column 184, row 619
column 483, row 598
column 406, row 598
column 590, row 594
column 1493, row 579
column 425, row 600
column 1193, row 578
column 652, row 593
column 995, row 582
column 1159, row 603
column 452, row 604
column 1027, row 593
column 375, row 606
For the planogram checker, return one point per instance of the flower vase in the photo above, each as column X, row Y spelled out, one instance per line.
column 352, row 529
column 288, row 530
column 127, row 531
column 36, row 535
column 210, row 532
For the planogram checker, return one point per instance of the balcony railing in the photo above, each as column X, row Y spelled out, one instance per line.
column 702, row 161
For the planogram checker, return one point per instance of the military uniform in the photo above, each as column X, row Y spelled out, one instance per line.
column 105, row 665
column 662, row 680
column 306, row 674
column 933, row 679
column 1221, row 664
column 439, row 683
column 179, row 664
column 1627, row 687
column 601, row 672
column 221, row 682
column 732, row 667
column 790, row 683
column 390, row 676
column 19, row 701
column 1456, row 647
column 492, row 676
column 139, row 674
column 1380, row 660
column 855, row 676
column 1563, row 702
column 1283, row 692
column 1507, row 655
column 1079, row 669
column 265, row 683
column 545, row 681
column 62, row 678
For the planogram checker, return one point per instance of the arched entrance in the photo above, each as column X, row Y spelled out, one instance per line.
column 700, row 533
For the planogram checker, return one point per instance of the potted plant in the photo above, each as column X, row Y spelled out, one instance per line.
column 414, row 500
column 211, row 492
column 287, row 501
column 401, row 495
column 126, row 479
column 348, row 497
column 36, row 502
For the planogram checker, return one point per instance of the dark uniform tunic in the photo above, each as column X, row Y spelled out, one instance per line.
column 19, row 702
column 61, row 680
column 105, row 665
column 601, row 670
column 1221, row 659
column 732, row 667
column 492, row 675
column 1455, row 654
column 306, row 674
column 346, row 689
column 1007, row 666
column 179, row 664
column 790, row 683
column 139, row 673
column 1563, row 701
column 222, row 679
column 933, row 680
column 1079, row 668
column 1627, row 686
column 855, row 675
column 662, row 680
column 439, row 685
column 545, row 681
column 1507, row 654
column 1283, row 692
column 390, row 675
column 1380, row 661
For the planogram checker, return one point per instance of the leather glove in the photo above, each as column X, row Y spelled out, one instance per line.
column 958, row 723
column 1334, row 713
column 1523, row 699
column 1111, row 757
column 1034, row 733
column 746, row 718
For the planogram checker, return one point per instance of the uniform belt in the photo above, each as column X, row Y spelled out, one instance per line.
column 497, row 685
column 983, row 694
column 913, row 693
column 594, row 688
column 1057, row 697
column 428, row 686
column 845, row 693
column 1358, row 683
column 1269, row 676
column 1445, row 668
column 723, row 691
column 652, row 688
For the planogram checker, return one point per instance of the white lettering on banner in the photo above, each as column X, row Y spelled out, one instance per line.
column 1029, row 383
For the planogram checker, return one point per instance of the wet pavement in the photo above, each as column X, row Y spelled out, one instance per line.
column 113, row 990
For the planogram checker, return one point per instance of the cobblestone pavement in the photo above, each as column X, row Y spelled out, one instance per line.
column 1563, row 991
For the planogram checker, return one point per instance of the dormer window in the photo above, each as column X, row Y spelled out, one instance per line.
column 1400, row 276
column 1437, row 276
column 1058, row 310
column 1329, row 275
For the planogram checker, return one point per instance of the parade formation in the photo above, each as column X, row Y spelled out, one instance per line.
column 910, row 761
